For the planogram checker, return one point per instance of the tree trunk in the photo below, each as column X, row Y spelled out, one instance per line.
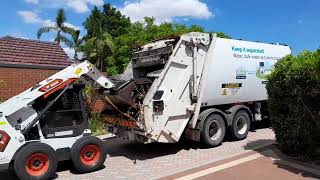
column 75, row 55
column 58, row 37
column 98, row 63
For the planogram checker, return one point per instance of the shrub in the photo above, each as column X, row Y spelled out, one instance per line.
column 96, row 124
column 294, row 103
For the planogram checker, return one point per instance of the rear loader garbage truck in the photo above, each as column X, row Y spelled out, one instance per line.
column 196, row 85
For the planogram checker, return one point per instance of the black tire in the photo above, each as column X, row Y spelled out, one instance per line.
column 11, row 168
column 88, row 154
column 213, row 130
column 35, row 161
column 240, row 125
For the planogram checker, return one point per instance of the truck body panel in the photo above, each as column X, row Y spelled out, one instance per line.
column 238, row 71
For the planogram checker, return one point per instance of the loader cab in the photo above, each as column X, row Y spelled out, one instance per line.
column 67, row 117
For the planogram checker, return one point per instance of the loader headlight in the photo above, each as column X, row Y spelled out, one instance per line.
column 4, row 140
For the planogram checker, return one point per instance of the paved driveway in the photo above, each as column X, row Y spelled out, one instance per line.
column 153, row 161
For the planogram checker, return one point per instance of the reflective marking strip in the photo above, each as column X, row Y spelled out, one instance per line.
column 2, row 123
column 126, row 123
column 220, row 167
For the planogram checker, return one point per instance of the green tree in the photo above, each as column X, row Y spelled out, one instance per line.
column 76, row 43
column 222, row 35
column 127, row 35
column 58, row 27
column 140, row 34
column 98, row 48
column 104, row 26
column 110, row 20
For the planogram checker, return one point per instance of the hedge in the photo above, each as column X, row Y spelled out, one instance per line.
column 294, row 103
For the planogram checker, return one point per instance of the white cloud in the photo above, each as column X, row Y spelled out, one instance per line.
column 82, row 6
column 70, row 53
column 166, row 10
column 72, row 26
column 79, row 6
column 32, row 1
column 31, row 17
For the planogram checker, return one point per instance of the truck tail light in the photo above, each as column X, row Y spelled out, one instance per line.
column 4, row 140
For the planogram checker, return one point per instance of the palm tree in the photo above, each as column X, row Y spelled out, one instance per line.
column 98, row 48
column 76, row 43
column 58, row 27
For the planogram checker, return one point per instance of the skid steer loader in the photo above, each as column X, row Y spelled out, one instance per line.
column 47, row 124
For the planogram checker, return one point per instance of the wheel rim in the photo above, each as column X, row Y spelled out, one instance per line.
column 241, row 125
column 37, row 164
column 214, row 130
column 90, row 154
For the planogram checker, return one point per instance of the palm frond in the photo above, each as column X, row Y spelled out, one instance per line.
column 91, row 43
column 76, row 36
column 45, row 30
column 61, row 18
column 67, row 30
column 65, row 40
column 108, row 41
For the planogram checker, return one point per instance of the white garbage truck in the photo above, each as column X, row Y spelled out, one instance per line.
column 196, row 85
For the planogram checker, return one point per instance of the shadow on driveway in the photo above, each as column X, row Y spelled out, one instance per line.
column 138, row 151
column 307, row 169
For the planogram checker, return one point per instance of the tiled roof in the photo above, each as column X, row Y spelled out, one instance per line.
column 17, row 51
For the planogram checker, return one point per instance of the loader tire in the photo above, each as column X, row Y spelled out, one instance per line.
column 88, row 154
column 35, row 161
column 240, row 125
column 213, row 130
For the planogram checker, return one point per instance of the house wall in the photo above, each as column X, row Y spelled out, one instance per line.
column 16, row 80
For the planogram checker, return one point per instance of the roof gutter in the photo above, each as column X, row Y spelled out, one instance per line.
column 28, row 66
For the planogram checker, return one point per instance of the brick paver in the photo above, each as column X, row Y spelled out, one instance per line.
column 267, row 163
column 152, row 161
column 263, row 169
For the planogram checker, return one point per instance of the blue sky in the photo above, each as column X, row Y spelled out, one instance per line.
column 292, row 22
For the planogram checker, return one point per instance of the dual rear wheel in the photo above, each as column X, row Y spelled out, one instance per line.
column 37, row 161
column 214, row 128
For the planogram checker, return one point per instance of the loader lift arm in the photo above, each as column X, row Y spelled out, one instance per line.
column 56, row 82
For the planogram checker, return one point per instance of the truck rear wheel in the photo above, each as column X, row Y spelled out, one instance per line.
column 88, row 154
column 213, row 130
column 35, row 161
column 240, row 125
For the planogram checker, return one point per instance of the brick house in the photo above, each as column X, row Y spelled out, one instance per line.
column 24, row 62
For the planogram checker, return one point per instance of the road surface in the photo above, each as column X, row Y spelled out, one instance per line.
column 153, row 161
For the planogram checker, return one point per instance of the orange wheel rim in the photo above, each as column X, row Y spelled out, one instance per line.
column 90, row 155
column 37, row 164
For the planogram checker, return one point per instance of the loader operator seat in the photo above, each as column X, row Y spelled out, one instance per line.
column 67, row 117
